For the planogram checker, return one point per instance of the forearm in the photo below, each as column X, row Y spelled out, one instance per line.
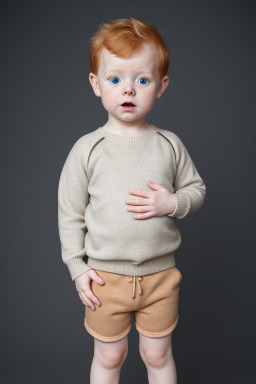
column 189, row 187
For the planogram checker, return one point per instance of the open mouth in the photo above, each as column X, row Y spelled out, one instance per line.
column 128, row 105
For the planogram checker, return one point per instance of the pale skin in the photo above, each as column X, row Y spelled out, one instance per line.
column 158, row 201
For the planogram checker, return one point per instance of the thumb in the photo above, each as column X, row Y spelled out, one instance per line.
column 94, row 276
column 154, row 186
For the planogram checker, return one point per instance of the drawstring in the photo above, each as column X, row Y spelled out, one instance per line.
column 134, row 284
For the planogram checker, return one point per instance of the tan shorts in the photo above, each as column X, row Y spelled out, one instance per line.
column 152, row 298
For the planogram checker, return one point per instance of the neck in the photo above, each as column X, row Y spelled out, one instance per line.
column 129, row 128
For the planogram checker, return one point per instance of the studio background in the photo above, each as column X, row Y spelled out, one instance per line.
column 48, row 104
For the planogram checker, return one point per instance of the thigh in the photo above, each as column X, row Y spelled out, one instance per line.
column 112, row 320
column 157, row 315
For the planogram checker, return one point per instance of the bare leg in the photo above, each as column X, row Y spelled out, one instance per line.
column 108, row 360
column 158, row 358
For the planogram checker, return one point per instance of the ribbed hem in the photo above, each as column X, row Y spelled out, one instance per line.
column 125, row 267
column 158, row 334
column 129, row 139
column 77, row 267
column 183, row 205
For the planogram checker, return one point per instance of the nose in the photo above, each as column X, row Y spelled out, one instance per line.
column 128, row 89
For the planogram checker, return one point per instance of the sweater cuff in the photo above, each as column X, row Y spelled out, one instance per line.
column 182, row 207
column 175, row 210
column 77, row 267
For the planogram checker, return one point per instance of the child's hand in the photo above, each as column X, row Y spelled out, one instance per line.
column 83, row 286
column 157, row 203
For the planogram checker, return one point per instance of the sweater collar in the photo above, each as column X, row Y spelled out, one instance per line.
column 128, row 139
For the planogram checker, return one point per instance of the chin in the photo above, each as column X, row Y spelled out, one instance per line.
column 127, row 118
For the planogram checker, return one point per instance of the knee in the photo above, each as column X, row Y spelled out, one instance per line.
column 156, row 357
column 110, row 359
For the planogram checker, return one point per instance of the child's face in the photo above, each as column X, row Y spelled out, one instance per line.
column 135, row 79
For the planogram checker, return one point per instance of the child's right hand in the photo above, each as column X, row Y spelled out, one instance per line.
column 83, row 286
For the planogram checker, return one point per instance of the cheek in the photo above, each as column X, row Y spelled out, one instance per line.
column 149, row 97
column 109, row 97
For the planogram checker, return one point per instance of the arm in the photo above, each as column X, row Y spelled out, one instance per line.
column 72, row 201
column 189, row 187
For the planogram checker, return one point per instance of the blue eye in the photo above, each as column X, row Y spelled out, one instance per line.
column 115, row 78
column 144, row 80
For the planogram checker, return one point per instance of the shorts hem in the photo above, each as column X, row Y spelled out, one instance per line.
column 105, row 338
column 157, row 334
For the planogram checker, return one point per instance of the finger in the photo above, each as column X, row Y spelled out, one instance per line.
column 155, row 186
column 86, row 301
column 143, row 216
column 95, row 277
column 137, row 201
column 89, row 303
column 81, row 298
column 139, row 209
column 89, row 294
column 140, row 192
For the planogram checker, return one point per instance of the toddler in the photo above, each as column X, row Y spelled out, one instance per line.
column 121, row 189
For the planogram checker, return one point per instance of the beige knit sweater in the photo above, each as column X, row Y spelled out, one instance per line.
column 96, row 230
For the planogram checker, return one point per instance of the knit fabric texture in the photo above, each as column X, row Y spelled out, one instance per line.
column 96, row 230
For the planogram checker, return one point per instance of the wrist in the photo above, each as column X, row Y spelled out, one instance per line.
column 173, row 205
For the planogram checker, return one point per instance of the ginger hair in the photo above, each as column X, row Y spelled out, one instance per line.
column 122, row 37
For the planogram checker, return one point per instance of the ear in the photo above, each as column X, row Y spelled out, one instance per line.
column 163, row 86
column 94, row 83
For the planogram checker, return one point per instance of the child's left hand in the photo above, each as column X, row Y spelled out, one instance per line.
column 157, row 203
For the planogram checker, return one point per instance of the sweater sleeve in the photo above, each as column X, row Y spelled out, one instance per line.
column 189, row 188
column 73, row 198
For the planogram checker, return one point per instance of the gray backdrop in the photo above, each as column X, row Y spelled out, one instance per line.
column 48, row 104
